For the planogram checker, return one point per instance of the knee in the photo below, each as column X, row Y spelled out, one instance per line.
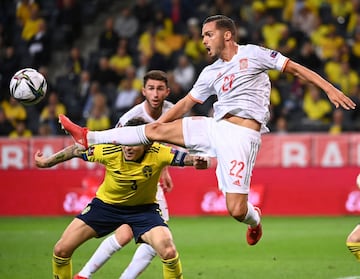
column 168, row 250
column 61, row 251
column 154, row 131
column 169, row 253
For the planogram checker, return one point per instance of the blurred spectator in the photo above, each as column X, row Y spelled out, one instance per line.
column 347, row 78
column 308, row 57
column 287, row 43
column 93, row 90
column 184, row 72
column 99, row 114
column 176, row 91
column 44, row 129
column 304, row 19
column 40, row 46
column 142, row 65
column 126, row 24
column 354, row 58
column 224, row 7
column 272, row 31
column 120, row 61
column 178, row 11
column 9, row 65
column 20, row 131
column 127, row 97
column 108, row 38
column 329, row 43
column 14, row 110
column 104, row 74
column 338, row 123
column 254, row 13
column 23, row 11
column 317, row 109
column 69, row 21
column 281, row 126
column 51, row 112
column 130, row 74
column 143, row 11
column 31, row 26
column 75, row 63
column 194, row 47
column 5, row 124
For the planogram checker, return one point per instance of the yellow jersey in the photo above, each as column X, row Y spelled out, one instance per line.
column 130, row 183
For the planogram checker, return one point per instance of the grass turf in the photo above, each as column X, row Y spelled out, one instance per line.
column 209, row 247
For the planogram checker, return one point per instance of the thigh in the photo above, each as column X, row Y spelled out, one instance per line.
column 123, row 234
column 160, row 238
column 236, row 149
column 198, row 135
column 76, row 233
column 170, row 132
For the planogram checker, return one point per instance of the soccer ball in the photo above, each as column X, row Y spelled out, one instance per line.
column 28, row 86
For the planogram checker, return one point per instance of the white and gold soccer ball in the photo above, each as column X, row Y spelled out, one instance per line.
column 28, row 86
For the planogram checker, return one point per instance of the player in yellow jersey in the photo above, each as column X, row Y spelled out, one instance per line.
column 155, row 91
column 127, row 195
column 353, row 242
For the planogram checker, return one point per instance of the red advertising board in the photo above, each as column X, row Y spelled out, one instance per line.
column 307, row 174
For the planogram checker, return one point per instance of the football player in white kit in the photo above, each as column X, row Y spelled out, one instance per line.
column 239, row 79
column 155, row 90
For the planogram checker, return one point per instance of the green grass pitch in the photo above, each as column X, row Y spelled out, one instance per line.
column 209, row 247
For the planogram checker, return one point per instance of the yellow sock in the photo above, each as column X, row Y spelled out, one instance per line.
column 62, row 267
column 172, row 268
column 354, row 248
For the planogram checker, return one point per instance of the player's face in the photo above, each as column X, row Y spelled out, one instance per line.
column 155, row 92
column 213, row 39
column 133, row 153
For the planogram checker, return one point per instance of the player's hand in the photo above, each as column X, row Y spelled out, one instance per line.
column 201, row 162
column 39, row 159
column 166, row 180
column 340, row 99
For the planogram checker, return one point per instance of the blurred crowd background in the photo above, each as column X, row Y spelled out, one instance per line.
column 94, row 55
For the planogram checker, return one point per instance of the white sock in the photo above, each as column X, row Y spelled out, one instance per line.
column 252, row 217
column 108, row 247
column 131, row 135
column 141, row 259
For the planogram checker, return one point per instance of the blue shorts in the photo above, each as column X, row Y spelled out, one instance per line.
column 105, row 218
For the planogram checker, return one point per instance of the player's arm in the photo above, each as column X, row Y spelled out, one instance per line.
column 63, row 155
column 178, row 110
column 182, row 158
column 166, row 180
column 337, row 97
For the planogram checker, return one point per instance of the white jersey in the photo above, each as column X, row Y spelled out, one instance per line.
column 140, row 111
column 242, row 84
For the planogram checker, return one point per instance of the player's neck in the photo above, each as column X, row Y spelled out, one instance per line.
column 230, row 49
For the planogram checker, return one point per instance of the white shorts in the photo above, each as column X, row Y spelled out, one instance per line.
column 235, row 147
column 160, row 199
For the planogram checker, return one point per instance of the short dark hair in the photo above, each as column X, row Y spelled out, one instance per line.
column 156, row 75
column 224, row 23
column 136, row 121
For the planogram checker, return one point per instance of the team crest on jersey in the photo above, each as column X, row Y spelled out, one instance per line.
column 86, row 210
column 273, row 54
column 91, row 150
column 147, row 171
column 243, row 63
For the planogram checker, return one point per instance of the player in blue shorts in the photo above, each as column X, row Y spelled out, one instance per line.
column 127, row 195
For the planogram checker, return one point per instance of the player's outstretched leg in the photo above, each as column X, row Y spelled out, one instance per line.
column 253, row 235
column 78, row 133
